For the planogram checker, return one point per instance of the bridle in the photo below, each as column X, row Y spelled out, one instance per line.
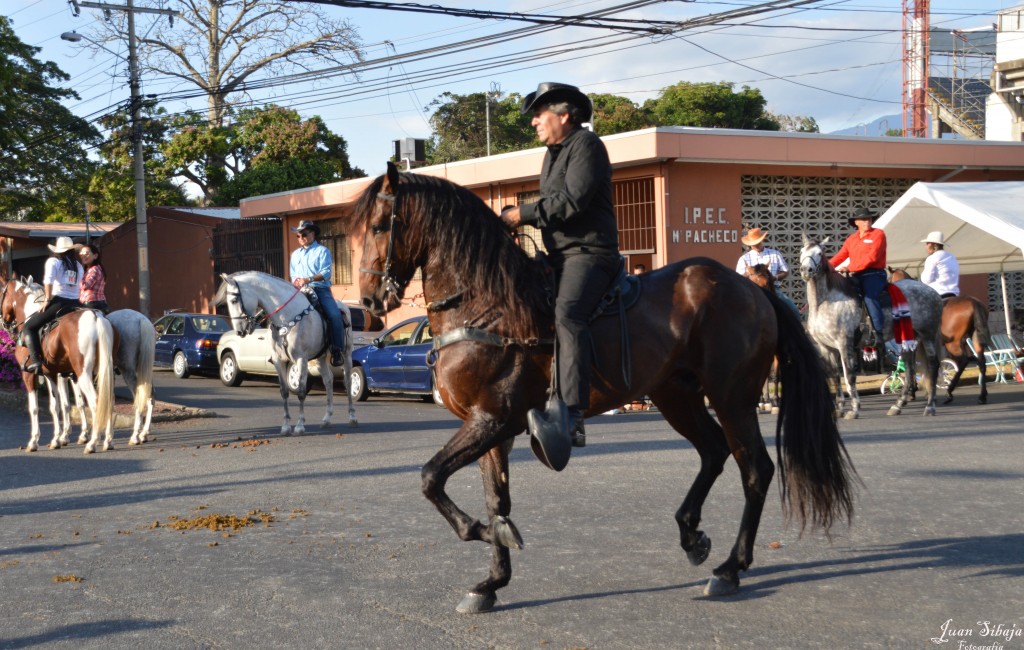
column 392, row 285
column 251, row 320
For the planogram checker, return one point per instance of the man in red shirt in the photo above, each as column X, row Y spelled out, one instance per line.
column 865, row 249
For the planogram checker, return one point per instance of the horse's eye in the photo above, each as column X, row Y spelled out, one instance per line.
column 378, row 228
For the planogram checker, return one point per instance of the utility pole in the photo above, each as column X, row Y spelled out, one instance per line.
column 141, row 226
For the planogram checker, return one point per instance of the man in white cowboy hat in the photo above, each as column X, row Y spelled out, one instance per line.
column 62, row 277
column 771, row 258
column 310, row 266
column 576, row 217
column 941, row 270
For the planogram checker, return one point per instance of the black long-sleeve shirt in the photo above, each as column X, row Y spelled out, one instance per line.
column 575, row 207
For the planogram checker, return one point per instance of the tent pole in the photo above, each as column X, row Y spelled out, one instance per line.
column 1006, row 301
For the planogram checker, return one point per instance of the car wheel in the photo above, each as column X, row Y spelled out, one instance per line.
column 357, row 385
column 230, row 375
column 293, row 379
column 180, row 365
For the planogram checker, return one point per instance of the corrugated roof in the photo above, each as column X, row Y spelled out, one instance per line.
column 48, row 230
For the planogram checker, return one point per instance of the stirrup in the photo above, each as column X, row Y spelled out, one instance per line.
column 549, row 434
column 31, row 365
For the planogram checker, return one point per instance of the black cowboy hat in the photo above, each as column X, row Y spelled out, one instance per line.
column 306, row 224
column 863, row 213
column 551, row 92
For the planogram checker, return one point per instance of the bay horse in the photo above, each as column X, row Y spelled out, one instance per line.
column 136, row 345
column 82, row 344
column 963, row 317
column 698, row 331
column 925, row 311
column 763, row 278
column 298, row 333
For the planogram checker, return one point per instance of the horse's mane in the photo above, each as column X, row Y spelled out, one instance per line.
column 762, row 277
column 836, row 281
column 492, row 270
column 218, row 298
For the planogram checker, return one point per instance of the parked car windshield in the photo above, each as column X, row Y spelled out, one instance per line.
column 210, row 324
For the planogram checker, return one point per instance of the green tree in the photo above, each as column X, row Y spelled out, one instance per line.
column 711, row 105
column 460, row 129
column 111, row 190
column 219, row 45
column 274, row 150
column 42, row 144
column 797, row 123
column 615, row 114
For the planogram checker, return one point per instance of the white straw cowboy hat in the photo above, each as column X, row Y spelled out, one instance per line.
column 552, row 92
column 935, row 237
column 754, row 237
column 62, row 245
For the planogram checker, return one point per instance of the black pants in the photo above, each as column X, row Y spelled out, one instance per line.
column 56, row 308
column 583, row 278
column 100, row 305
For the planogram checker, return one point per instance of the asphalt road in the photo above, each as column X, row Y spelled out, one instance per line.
column 355, row 557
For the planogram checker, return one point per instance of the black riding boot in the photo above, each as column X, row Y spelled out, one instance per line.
column 336, row 359
column 31, row 342
column 880, row 347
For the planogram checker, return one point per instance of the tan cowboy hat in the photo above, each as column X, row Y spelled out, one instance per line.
column 754, row 237
column 551, row 92
column 62, row 245
column 935, row 237
column 863, row 213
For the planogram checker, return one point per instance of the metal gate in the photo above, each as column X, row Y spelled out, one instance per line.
column 249, row 245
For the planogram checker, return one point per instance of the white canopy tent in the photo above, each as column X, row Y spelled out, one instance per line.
column 983, row 224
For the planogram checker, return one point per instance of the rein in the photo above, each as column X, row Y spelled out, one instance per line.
column 391, row 283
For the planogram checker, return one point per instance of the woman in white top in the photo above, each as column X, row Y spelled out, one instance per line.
column 62, row 277
column 941, row 270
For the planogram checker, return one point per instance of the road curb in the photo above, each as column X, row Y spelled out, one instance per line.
column 163, row 412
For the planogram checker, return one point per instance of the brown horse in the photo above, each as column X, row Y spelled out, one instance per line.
column 698, row 331
column 763, row 278
column 81, row 344
column 963, row 317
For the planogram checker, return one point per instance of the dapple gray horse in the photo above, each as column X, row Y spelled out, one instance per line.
column 832, row 289
column 298, row 334
column 134, row 359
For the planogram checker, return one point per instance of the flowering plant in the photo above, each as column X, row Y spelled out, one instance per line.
column 9, row 372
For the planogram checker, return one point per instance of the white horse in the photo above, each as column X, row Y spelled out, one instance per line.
column 833, row 314
column 298, row 332
column 89, row 355
column 926, row 316
column 134, row 359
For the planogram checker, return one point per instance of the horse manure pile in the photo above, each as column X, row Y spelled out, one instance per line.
column 68, row 578
column 218, row 522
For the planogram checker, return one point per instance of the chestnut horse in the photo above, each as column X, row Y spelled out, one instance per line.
column 698, row 331
column 81, row 344
column 963, row 317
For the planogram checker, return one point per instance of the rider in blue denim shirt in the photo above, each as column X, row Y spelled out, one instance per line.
column 310, row 266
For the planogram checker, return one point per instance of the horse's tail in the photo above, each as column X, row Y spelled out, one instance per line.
column 815, row 471
column 982, row 336
column 144, row 364
column 104, row 374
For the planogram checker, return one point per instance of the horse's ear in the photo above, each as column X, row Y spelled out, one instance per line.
column 826, row 240
column 224, row 276
column 807, row 240
column 390, row 179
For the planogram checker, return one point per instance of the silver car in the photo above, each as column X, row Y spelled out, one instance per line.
column 239, row 356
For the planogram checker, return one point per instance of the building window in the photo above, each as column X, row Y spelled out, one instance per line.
column 334, row 238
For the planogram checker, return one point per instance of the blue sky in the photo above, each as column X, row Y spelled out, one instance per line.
column 839, row 62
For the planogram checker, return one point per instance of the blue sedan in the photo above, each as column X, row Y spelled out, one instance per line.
column 188, row 342
column 396, row 363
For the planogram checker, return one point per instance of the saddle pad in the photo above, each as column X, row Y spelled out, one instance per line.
column 626, row 290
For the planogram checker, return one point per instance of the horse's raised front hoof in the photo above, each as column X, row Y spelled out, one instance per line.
column 504, row 533
column 475, row 603
column 721, row 586
column 700, row 551
column 894, row 410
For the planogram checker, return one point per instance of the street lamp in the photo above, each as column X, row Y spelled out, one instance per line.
column 141, row 227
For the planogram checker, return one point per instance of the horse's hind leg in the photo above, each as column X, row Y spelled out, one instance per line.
column 494, row 470
column 686, row 413
column 756, row 471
